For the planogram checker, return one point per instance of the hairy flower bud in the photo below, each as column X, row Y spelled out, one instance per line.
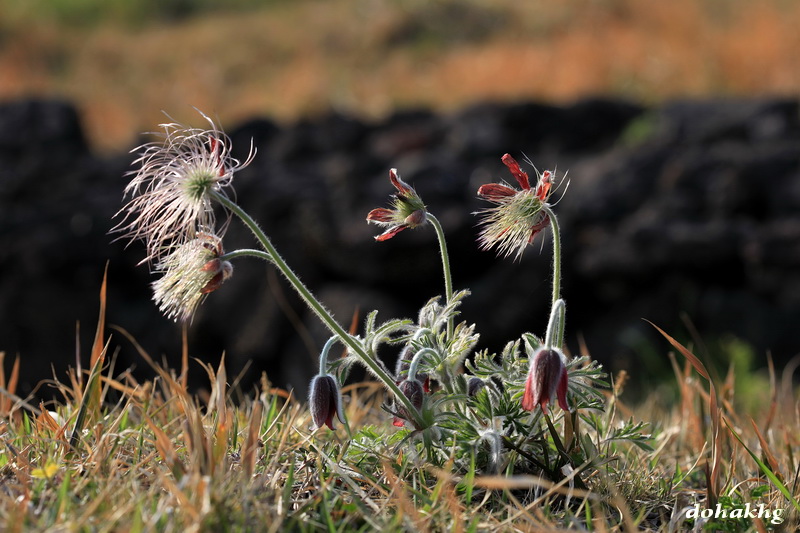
column 413, row 390
column 474, row 386
column 325, row 401
column 547, row 377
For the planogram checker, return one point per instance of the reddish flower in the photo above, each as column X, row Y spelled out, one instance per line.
column 519, row 215
column 407, row 210
column 325, row 401
column 547, row 377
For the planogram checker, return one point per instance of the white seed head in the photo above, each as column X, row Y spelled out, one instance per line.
column 169, row 194
column 188, row 271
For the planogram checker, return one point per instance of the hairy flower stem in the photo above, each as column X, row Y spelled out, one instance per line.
column 556, row 324
column 558, row 337
column 448, row 280
column 314, row 304
column 323, row 356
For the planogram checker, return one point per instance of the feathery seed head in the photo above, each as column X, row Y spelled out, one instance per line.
column 169, row 195
column 190, row 271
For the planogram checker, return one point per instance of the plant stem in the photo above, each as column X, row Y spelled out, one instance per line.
column 314, row 304
column 556, row 324
column 556, row 252
column 244, row 252
column 558, row 341
column 448, row 280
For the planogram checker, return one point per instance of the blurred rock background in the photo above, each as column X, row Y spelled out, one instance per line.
column 679, row 125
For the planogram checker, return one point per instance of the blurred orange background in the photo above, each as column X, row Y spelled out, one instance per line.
column 122, row 63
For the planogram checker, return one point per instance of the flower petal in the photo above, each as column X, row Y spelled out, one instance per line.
column 495, row 192
column 403, row 187
column 391, row 232
column 528, row 399
column 380, row 215
column 561, row 391
column 513, row 166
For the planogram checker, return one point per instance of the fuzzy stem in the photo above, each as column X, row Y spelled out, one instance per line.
column 555, row 326
column 244, row 252
column 448, row 279
column 416, row 360
column 558, row 341
column 323, row 355
column 314, row 304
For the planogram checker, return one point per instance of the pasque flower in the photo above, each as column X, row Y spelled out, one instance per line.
column 547, row 377
column 190, row 271
column 169, row 194
column 407, row 210
column 518, row 215
column 325, row 401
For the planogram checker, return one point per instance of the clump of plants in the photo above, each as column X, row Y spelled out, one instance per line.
column 530, row 416
column 487, row 412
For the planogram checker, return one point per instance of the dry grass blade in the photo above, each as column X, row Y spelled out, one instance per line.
column 98, row 351
column 714, row 413
column 89, row 401
column 251, row 443
column 773, row 463
column 10, row 386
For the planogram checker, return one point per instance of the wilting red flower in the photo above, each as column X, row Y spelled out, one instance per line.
column 413, row 390
column 407, row 210
column 324, row 400
column 518, row 216
column 547, row 377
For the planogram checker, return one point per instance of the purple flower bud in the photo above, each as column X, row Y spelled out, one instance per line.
column 413, row 391
column 474, row 386
column 324, row 400
column 547, row 377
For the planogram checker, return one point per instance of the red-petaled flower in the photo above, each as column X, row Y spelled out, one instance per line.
column 413, row 390
column 547, row 377
column 408, row 210
column 519, row 215
column 325, row 401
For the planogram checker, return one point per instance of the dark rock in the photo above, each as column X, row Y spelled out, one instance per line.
column 691, row 209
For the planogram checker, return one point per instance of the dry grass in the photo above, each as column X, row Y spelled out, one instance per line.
column 290, row 59
column 122, row 455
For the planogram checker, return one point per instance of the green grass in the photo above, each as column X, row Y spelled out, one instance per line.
column 116, row 454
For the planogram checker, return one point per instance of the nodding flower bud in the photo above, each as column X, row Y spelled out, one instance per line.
column 413, row 390
column 474, row 386
column 324, row 400
column 547, row 377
